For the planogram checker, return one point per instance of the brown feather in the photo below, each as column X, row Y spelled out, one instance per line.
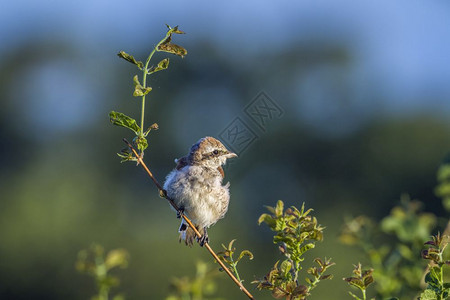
column 220, row 169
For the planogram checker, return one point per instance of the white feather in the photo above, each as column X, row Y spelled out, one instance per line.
column 200, row 191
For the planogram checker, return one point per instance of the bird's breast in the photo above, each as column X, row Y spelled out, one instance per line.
column 200, row 192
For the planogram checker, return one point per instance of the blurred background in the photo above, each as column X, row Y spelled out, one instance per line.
column 360, row 99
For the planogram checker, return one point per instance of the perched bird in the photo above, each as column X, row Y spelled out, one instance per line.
column 196, row 187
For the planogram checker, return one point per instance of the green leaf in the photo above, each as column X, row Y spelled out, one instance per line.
column 141, row 143
column 173, row 48
column 306, row 248
column 230, row 245
column 428, row 295
column 162, row 65
column 123, row 120
column 245, row 253
column 285, row 267
column 131, row 59
column 283, row 239
column 136, row 80
column 174, row 30
column 300, row 290
column 355, row 282
column 126, row 156
column 367, row 281
column 443, row 172
column 278, row 293
column 320, row 262
column 433, row 277
column 266, row 218
column 167, row 46
column 325, row 277
column 279, row 208
column 117, row 258
column 139, row 90
column 446, row 203
column 279, row 225
column 270, row 209
column 406, row 251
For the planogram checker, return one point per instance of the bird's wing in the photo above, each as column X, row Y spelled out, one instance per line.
column 181, row 162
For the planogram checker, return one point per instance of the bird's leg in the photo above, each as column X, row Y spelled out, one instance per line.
column 183, row 227
column 180, row 212
column 204, row 239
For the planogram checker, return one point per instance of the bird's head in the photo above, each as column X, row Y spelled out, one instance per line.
column 209, row 152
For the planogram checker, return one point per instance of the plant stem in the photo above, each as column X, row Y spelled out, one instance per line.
column 441, row 280
column 144, row 84
column 313, row 284
column 235, row 271
column 144, row 80
column 364, row 294
column 101, row 275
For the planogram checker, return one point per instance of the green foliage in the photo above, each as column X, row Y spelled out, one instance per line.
column 131, row 59
column 443, row 188
column 201, row 287
column 407, row 223
column 227, row 257
column 436, row 287
column 361, row 280
column 398, row 268
column 95, row 263
column 296, row 232
column 140, row 141
column 162, row 65
column 167, row 46
column 122, row 120
column 141, row 90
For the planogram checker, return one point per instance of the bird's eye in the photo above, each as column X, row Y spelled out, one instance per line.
column 216, row 152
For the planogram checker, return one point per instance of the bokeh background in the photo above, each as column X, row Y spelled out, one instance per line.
column 364, row 89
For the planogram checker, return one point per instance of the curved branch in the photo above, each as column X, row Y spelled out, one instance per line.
column 163, row 194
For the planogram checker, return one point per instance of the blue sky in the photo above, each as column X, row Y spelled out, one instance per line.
column 401, row 48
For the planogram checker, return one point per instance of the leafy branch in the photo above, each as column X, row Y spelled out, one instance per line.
column 94, row 262
column 227, row 257
column 443, row 188
column 398, row 268
column 296, row 232
column 437, row 289
column 361, row 280
column 198, row 287
column 141, row 90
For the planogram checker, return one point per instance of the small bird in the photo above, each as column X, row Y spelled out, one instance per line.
column 195, row 185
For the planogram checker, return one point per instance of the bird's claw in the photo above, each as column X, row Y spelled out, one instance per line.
column 204, row 239
column 180, row 212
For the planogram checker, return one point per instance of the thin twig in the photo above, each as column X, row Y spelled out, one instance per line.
column 163, row 194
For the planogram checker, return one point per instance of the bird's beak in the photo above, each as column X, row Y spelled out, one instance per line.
column 230, row 155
